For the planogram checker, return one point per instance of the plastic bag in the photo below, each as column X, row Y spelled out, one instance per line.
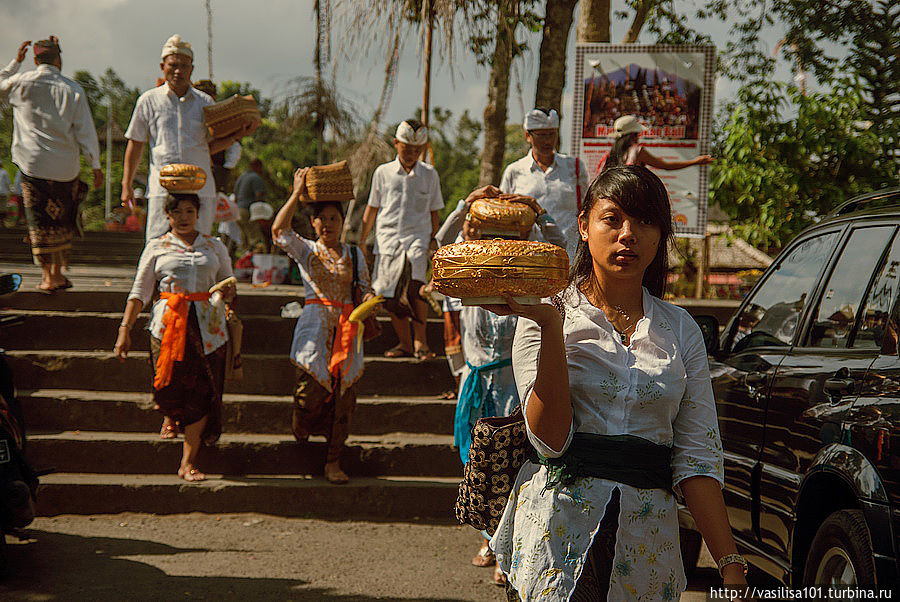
column 269, row 268
column 226, row 209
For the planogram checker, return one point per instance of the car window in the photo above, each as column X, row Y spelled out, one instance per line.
column 772, row 314
column 842, row 296
column 875, row 330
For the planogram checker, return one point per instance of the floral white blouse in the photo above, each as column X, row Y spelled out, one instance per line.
column 326, row 278
column 182, row 268
column 658, row 388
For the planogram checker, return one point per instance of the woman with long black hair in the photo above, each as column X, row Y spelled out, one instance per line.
column 620, row 410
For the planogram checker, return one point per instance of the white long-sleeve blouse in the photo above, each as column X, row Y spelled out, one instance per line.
column 657, row 388
column 182, row 268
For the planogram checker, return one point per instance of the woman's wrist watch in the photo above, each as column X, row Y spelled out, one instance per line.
column 731, row 559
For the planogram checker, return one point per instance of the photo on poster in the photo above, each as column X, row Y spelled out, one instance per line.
column 670, row 91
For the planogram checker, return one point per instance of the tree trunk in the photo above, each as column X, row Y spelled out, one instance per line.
column 641, row 11
column 319, row 123
column 552, row 71
column 593, row 21
column 495, row 112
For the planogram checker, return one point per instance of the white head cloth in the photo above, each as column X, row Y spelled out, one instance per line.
column 406, row 133
column 536, row 119
column 175, row 45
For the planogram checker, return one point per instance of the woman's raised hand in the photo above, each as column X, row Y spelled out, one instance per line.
column 542, row 313
column 481, row 193
column 300, row 181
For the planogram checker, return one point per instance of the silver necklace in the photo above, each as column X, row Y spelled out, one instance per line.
column 624, row 333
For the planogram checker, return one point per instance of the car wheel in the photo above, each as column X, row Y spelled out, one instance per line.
column 691, row 542
column 841, row 552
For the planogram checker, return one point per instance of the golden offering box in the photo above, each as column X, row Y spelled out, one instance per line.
column 500, row 216
column 182, row 177
column 482, row 271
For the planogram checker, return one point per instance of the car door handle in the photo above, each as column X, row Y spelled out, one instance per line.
column 839, row 386
column 755, row 379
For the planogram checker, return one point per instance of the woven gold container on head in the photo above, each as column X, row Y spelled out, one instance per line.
column 501, row 216
column 488, row 269
column 182, row 177
column 329, row 183
column 230, row 116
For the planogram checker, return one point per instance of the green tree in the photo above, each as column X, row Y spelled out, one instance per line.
column 786, row 158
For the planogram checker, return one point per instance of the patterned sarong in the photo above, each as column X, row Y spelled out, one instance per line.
column 51, row 209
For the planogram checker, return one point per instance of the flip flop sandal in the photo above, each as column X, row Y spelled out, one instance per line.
column 397, row 351
column 168, row 431
column 65, row 285
column 484, row 558
column 46, row 291
column 424, row 354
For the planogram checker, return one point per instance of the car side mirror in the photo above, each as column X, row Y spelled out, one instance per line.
column 709, row 326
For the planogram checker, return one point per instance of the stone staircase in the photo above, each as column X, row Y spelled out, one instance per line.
column 90, row 418
column 96, row 248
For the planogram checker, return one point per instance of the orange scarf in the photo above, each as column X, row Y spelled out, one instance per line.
column 343, row 338
column 175, row 319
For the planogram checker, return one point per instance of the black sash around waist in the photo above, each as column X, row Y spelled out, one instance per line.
column 625, row 459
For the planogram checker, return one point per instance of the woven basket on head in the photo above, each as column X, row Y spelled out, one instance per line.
column 229, row 116
column 329, row 183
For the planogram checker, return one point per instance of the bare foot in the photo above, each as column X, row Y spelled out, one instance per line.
column 334, row 474
column 191, row 474
column 499, row 577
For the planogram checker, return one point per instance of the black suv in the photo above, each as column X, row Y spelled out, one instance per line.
column 806, row 376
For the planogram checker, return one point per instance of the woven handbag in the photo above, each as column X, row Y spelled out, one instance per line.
column 499, row 448
column 329, row 183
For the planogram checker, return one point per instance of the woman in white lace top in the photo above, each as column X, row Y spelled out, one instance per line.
column 620, row 410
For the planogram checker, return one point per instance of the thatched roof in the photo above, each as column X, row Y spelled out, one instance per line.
column 727, row 252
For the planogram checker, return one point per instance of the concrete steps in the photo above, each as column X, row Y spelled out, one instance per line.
column 130, row 412
column 91, row 419
column 94, row 330
column 394, row 454
column 103, row 248
column 263, row 373
column 374, row 499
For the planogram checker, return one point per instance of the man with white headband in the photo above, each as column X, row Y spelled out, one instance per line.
column 170, row 118
column 406, row 198
column 556, row 181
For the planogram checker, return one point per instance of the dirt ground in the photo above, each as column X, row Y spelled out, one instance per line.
column 249, row 557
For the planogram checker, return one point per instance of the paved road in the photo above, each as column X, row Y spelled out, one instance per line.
column 250, row 557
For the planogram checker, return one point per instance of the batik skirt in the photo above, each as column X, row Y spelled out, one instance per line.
column 197, row 384
column 51, row 209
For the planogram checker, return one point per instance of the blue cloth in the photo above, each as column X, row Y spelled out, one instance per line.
column 471, row 396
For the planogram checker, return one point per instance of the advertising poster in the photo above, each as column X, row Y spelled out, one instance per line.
column 670, row 90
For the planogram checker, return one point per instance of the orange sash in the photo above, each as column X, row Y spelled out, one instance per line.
column 171, row 348
column 343, row 338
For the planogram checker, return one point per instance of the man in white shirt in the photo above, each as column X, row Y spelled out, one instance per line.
column 406, row 198
column 556, row 181
column 52, row 127
column 170, row 118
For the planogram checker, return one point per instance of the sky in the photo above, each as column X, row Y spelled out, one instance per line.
column 268, row 42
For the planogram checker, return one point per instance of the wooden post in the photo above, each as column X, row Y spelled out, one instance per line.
column 702, row 268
